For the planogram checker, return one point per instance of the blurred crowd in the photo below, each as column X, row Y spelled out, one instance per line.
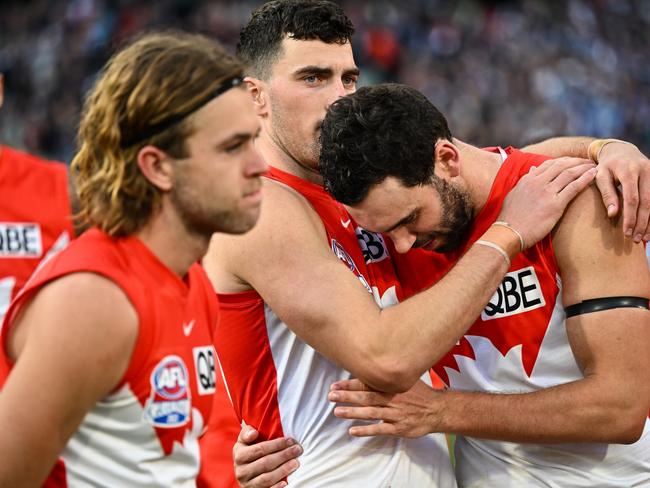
column 504, row 72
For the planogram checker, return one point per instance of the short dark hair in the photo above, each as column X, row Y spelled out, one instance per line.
column 261, row 38
column 379, row 131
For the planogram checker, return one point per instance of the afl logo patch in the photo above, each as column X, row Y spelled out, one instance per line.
column 343, row 255
column 169, row 405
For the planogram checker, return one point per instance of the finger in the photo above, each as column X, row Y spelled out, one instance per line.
column 551, row 168
column 636, row 204
column 571, row 190
column 243, row 453
column 630, row 190
column 273, row 477
column 359, row 397
column 643, row 213
column 352, row 385
column 281, row 484
column 269, row 469
column 569, row 175
column 372, row 430
column 247, row 434
column 608, row 192
column 366, row 413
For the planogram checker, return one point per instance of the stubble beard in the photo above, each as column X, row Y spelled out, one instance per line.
column 304, row 153
column 202, row 218
column 458, row 214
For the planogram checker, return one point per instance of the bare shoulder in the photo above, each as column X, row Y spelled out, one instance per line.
column 288, row 224
column 585, row 223
column 81, row 308
column 594, row 257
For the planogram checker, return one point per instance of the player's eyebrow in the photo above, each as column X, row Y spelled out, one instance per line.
column 238, row 137
column 313, row 70
column 325, row 72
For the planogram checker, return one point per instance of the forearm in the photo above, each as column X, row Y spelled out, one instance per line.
column 28, row 446
column 580, row 411
column 21, row 468
column 412, row 336
column 556, row 147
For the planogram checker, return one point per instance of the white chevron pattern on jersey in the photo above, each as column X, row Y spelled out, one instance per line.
column 102, row 445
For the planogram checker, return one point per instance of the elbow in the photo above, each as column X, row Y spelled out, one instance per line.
column 390, row 375
column 629, row 430
column 624, row 426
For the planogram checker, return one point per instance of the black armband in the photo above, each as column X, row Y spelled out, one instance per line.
column 605, row 303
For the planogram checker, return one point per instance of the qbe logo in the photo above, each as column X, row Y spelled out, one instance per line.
column 518, row 292
column 20, row 240
column 204, row 364
column 168, row 404
column 372, row 245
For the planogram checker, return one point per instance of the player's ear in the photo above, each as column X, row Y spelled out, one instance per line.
column 257, row 90
column 446, row 159
column 157, row 167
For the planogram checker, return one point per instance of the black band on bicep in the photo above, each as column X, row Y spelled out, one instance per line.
column 605, row 303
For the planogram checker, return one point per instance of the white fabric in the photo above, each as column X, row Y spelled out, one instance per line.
column 332, row 458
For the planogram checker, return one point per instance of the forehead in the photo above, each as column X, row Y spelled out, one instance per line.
column 295, row 54
column 230, row 113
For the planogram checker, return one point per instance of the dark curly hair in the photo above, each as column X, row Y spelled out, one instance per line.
column 379, row 131
column 261, row 38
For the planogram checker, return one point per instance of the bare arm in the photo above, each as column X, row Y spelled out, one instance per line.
column 618, row 163
column 555, row 147
column 287, row 259
column 609, row 405
column 73, row 343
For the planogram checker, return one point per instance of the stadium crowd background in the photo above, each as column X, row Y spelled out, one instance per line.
column 504, row 72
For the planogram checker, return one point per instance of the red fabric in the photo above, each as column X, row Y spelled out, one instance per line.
column 164, row 304
column 216, row 444
column 35, row 212
column 242, row 315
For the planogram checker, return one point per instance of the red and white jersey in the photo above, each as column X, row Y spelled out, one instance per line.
column 145, row 433
column 279, row 384
column 520, row 344
column 34, row 217
column 217, row 470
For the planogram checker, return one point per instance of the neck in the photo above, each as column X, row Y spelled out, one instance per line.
column 166, row 236
column 276, row 155
column 479, row 170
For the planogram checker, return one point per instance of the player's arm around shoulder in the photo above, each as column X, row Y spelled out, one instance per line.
column 71, row 346
column 611, row 346
column 287, row 259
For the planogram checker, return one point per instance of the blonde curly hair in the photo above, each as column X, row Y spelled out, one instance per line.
column 155, row 78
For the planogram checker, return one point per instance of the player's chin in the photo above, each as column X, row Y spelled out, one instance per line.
column 247, row 219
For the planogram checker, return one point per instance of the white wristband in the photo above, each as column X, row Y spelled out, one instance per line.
column 505, row 224
column 497, row 248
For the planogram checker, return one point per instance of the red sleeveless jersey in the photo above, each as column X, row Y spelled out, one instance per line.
column 145, row 433
column 519, row 344
column 34, row 217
